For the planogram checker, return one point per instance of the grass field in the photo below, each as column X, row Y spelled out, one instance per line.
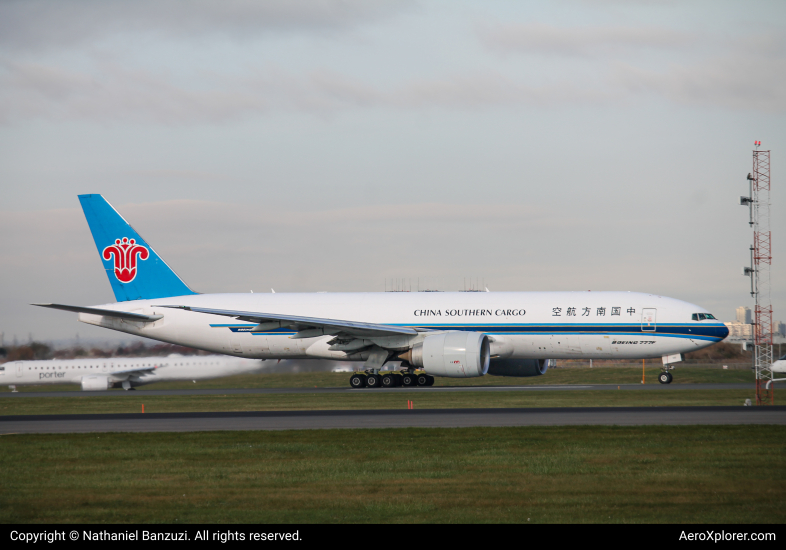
column 87, row 404
column 680, row 474
column 604, row 375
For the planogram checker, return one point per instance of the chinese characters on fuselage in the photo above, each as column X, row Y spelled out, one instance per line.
column 587, row 311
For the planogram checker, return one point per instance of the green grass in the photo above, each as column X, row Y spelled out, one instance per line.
column 87, row 404
column 602, row 375
column 679, row 474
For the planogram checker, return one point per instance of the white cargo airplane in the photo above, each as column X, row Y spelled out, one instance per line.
column 454, row 334
column 125, row 372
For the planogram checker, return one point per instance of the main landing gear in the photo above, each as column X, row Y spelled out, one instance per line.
column 407, row 379
column 665, row 376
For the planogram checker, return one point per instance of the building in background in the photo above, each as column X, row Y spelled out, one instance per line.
column 739, row 331
column 744, row 315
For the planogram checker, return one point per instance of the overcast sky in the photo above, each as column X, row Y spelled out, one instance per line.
column 330, row 145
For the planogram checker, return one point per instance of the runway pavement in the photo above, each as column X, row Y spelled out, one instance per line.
column 431, row 418
column 418, row 389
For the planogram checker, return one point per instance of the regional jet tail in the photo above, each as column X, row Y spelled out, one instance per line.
column 125, row 372
column 453, row 334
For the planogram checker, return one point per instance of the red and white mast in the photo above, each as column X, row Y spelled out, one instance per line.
column 761, row 263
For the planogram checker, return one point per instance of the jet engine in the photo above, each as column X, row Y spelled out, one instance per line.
column 454, row 354
column 95, row 383
column 520, row 367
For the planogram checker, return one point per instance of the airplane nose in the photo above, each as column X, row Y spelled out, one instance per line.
column 724, row 332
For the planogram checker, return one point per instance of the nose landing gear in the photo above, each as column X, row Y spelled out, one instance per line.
column 665, row 376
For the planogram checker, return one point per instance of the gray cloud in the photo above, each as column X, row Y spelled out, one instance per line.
column 30, row 90
column 545, row 39
column 40, row 91
column 737, row 82
column 37, row 24
column 743, row 72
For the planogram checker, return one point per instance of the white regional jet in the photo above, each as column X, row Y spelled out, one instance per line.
column 125, row 372
column 454, row 334
column 779, row 366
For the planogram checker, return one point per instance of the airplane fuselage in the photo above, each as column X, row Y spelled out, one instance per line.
column 138, row 370
column 536, row 325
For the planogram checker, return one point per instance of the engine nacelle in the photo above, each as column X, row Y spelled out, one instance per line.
column 95, row 383
column 520, row 367
column 452, row 354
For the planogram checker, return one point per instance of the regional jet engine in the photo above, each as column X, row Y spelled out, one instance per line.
column 95, row 383
column 453, row 354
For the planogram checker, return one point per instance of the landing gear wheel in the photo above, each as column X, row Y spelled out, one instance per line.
column 409, row 380
column 373, row 381
column 423, row 379
column 389, row 381
column 430, row 380
column 670, row 378
column 357, row 381
column 665, row 378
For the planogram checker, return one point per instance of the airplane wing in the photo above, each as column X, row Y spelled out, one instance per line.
column 105, row 312
column 307, row 327
column 137, row 370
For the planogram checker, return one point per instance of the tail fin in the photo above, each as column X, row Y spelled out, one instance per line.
column 134, row 269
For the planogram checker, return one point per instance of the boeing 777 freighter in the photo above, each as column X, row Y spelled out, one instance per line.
column 454, row 334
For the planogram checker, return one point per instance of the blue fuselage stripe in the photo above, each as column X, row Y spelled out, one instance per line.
column 697, row 332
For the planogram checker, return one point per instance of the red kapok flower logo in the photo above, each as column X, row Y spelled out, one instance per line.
column 125, row 253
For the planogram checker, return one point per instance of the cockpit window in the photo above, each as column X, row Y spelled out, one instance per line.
column 702, row 316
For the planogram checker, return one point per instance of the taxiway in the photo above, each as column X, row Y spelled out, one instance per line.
column 431, row 418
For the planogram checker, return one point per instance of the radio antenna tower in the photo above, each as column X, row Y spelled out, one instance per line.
column 759, row 272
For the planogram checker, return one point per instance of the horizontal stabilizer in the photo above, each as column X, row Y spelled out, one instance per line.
column 329, row 326
column 105, row 312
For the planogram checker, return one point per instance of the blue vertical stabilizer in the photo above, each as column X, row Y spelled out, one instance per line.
column 134, row 269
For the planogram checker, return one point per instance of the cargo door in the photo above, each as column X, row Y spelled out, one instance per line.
column 234, row 342
column 648, row 319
